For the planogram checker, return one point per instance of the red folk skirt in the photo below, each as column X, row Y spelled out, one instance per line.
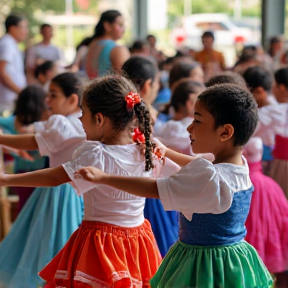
column 103, row 255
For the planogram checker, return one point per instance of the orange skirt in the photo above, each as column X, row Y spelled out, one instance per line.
column 103, row 255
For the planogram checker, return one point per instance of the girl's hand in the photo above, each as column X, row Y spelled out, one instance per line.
column 90, row 174
column 25, row 155
column 160, row 146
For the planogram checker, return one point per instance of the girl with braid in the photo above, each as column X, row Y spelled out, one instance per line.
column 114, row 246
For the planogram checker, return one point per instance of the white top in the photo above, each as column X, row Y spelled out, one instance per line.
column 253, row 150
column 42, row 52
column 10, row 53
column 202, row 187
column 106, row 204
column 59, row 136
column 273, row 120
column 174, row 135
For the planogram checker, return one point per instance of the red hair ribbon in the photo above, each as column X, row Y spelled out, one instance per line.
column 132, row 99
column 138, row 136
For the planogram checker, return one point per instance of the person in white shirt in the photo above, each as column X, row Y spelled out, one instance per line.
column 12, row 76
column 41, row 52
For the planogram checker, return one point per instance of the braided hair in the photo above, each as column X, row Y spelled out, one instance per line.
column 106, row 95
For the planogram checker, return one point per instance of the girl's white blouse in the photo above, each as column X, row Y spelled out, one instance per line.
column 174, row 135
column 202, row 187
column 273, row 120
column 106, row 204
column 58, row 137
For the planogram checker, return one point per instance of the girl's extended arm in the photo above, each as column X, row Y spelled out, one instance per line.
column 41, row 178
column 139, row 186
column 24, row 142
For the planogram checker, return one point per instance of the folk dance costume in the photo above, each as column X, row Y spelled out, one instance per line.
column 267, row 222
column 165, row 224
column 214, row 202
column 50, row 215
column 114, row 246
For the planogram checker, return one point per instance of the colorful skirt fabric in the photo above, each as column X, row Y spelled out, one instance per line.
column 40, row 231
column 165, row 224
column 267, row 222
column 104, row 255
column 278, row 171
column 237, row 266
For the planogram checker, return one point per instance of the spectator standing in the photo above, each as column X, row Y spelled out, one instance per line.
column 211, row 60
column 41, row 52
column 12, row 76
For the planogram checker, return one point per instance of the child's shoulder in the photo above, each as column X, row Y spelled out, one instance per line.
column 236, row 177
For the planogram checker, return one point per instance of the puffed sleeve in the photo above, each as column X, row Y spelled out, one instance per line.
column 196, row 188
column 56, row 134
column 253, row 150
column 88, row 154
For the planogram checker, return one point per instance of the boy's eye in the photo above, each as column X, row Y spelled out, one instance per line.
column 195, row 121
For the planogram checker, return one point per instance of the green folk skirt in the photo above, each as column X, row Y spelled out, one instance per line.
column 234, row 266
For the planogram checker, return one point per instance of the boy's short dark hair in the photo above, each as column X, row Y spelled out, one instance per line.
column 12, row 20
column 232, row 104
column 258, row 77
column 43, row 68
column 225, row 78
column 208, row 34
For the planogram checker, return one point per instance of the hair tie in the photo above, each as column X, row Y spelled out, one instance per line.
column 132, row 99
column 138, row 136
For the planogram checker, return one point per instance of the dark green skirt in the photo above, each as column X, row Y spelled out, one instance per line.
column 234, row 266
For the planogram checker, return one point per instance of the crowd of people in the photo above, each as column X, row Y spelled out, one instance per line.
column 146, row 170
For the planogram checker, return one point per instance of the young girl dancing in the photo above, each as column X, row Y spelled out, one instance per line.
column 30, row 107
column 114, row 246
column 50, row 215
column 267, row 222
column 213, row 198
column 173, row 133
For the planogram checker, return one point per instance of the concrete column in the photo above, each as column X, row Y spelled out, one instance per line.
column 140, row 19
column 273, row 19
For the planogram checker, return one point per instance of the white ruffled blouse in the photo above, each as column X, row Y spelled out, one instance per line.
column 106, row 204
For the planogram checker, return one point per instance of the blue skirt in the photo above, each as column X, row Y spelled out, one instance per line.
column 42, row 228
column 165, row 224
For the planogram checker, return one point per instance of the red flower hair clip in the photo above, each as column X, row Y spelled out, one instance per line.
column 138, row 136
column 132, row 99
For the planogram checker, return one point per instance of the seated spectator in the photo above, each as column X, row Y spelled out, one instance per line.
column 44, row 74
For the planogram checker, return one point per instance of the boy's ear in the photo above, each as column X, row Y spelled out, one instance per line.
column 226, row 132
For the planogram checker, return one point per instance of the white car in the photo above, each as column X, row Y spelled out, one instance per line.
column 225, row 32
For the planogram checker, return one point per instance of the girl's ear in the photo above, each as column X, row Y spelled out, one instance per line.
column 99, row 119
column 74, row 100
column 107, row 26
column 146, row 88
column 226, row 132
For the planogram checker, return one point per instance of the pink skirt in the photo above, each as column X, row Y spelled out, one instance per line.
column 267, row 222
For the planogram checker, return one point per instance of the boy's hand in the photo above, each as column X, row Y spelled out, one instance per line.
column 91, row 174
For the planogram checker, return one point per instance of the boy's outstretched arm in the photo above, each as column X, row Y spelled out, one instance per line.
column 138, row 186
column 41, row 178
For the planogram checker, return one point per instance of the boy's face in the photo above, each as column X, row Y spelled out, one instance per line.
column 205, row 138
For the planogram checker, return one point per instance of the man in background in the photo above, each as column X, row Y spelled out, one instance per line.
column 12, row 76
column 41, row 52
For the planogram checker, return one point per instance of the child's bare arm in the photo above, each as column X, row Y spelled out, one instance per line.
column 46, row 178
column 138, row 186
column 24, row 142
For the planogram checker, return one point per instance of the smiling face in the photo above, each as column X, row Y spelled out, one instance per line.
column 205, row 136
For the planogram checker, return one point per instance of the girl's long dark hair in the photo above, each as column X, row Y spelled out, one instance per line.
column 107, row 16
column 106, row 95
